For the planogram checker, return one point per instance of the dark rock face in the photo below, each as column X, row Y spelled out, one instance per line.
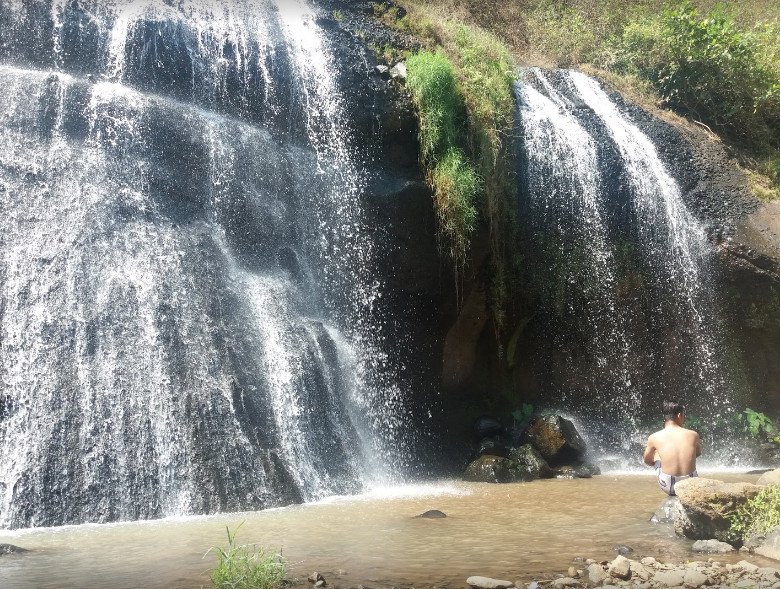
column 556, row 438
column 560, row 318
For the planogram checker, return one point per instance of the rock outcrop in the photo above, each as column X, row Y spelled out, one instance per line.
column 557, row 439
column 550, row 437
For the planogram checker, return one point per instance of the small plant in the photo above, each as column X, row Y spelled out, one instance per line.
column 522, row 416
column 246, row 566
column 756, row 423
column 759, row 515
column 338, row 16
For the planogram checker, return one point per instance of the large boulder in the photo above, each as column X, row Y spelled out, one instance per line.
column 771, row 477
column 556, row 438
column 490, row 469
column 528, row 464
column 705, row 505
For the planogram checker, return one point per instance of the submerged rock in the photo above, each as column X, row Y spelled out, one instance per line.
column 432, row 514
column 712, row 546
column 557, row 439
column 664, row 514
column 316, row 577
column 10, row 549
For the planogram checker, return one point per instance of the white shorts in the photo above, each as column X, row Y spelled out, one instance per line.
column 667, row 481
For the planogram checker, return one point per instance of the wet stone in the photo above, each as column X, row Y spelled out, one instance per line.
column 487, row 583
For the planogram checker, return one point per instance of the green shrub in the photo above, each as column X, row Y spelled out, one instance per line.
column 759, row 515
column 707, row 68
column 246, row 566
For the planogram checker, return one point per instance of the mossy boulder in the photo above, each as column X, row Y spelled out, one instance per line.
column 557, row 439
column 528, row 464
column 706, row 505
column 490, row 469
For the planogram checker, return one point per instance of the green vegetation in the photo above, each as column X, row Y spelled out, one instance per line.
column 338, row 16
column 246, row 566
column 757, row 424
column 715, row 65
column 452, row 176
column 759, row 515
column 461, row 82
column 522, row 416
column 706, row 68
column 716, row 62
column 748, row 423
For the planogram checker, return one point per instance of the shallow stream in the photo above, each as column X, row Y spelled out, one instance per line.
column 521, row 531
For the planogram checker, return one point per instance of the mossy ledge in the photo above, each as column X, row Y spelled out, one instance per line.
column 461, row 80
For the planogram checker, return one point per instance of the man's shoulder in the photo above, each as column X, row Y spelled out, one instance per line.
column 655, row 436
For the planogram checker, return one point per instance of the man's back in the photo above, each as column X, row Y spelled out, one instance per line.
column 677, row 448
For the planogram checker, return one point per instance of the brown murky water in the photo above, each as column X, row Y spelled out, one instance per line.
column 516, row 531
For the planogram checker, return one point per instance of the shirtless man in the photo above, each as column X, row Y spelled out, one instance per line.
column 673, row 450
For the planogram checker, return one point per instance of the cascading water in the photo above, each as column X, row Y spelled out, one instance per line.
column 188, row 314
column 622, row 281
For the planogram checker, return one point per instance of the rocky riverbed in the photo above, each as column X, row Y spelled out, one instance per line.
column 649, row 573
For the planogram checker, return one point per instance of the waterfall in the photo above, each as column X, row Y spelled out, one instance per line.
column 189, row 318
column 622, row 267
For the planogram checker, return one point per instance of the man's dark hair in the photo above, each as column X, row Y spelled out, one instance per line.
column 672, row 409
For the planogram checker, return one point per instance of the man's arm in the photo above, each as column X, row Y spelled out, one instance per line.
column 698, row 446
column 650, row 450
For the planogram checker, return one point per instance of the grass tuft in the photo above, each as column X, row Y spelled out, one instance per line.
column 246, row 566
column 441, row 112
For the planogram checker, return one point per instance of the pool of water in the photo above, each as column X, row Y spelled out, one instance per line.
column 520, row 531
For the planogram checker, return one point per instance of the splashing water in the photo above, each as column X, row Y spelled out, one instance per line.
column 190, row 322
